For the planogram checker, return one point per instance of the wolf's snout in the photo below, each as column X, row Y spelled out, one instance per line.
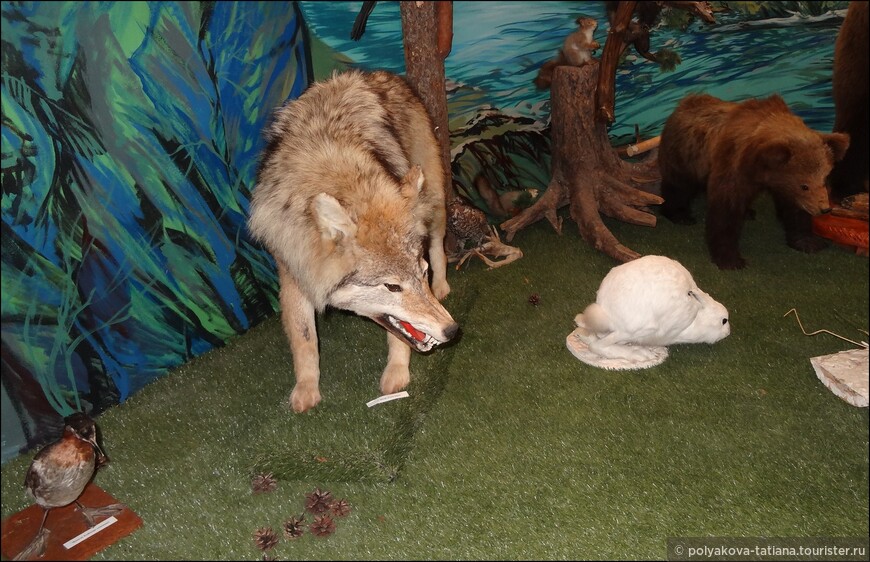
column 451, row 330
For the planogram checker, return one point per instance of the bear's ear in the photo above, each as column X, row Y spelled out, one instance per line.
column 839, row 143
column 776, row 101
column 773, row 154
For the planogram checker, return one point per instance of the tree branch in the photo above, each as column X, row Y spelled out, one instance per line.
column 613, row 47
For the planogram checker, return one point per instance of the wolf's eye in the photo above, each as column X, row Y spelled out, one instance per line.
column 393, row 288
column 805, row 187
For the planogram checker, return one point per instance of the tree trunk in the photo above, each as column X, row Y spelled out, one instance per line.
column 587, row 173
column 424, row 68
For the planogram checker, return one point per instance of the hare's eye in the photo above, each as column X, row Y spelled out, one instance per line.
column 805, row 187
column 724, row 321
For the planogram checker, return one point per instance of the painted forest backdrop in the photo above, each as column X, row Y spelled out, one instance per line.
column 130, row 139
column 130, row 136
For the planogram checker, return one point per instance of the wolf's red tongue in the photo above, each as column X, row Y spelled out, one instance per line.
column 418, row 335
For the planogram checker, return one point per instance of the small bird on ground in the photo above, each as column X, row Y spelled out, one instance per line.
column 468, row 226
column 60, row 472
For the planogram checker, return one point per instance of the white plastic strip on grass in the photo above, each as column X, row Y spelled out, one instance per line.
column 90, row 532
column 387, row 398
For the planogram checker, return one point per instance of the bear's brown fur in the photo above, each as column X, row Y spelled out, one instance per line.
column 850, row 89
column 735, row 151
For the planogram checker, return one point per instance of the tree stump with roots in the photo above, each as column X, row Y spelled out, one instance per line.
column 587, row 173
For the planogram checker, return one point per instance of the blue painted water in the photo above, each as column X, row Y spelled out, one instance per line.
column 499, row 46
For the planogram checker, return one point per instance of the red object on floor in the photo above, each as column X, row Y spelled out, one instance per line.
column 851, row 232
column 65, row 523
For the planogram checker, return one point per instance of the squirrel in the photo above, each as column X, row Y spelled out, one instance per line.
column 576, row 51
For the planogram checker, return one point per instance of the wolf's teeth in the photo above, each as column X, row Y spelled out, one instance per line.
column 427, row 343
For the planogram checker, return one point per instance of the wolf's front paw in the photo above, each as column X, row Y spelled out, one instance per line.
column 440, row 289
column 395, row 378
column 303, row 398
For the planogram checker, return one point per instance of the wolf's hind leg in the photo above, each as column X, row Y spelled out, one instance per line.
column 397, row 373
column 297, row 316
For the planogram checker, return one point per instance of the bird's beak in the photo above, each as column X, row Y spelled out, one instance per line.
column 97, row 448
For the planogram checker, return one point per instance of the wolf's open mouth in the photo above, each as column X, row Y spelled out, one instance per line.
column 421, row 341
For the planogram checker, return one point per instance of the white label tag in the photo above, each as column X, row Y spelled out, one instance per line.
column 387, row 398
column 90, row 532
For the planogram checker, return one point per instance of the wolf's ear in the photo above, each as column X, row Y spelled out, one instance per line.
column 332, row 220
column 412, row 183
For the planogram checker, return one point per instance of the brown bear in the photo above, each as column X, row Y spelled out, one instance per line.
column 735, row 151
column 850, row 90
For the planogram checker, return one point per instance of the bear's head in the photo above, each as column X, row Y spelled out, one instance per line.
column 796, row 163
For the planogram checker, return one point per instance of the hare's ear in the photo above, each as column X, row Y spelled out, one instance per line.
column 696, row 297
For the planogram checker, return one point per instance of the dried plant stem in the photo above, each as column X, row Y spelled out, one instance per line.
column 859, row 344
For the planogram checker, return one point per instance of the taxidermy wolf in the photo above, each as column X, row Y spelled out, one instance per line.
column 349, row 200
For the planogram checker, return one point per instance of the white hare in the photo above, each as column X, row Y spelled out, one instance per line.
column 646, row 304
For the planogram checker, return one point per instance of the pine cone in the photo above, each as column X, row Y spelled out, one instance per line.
column 340, row 508
column 265, row 538
column 318, row 501
column 294, row 527
column 264, row 482
column 323, row 526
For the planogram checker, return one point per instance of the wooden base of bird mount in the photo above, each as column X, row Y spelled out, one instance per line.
column 65, row 524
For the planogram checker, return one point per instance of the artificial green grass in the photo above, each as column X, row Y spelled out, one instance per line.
column 363, row 445
column 509, row 447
